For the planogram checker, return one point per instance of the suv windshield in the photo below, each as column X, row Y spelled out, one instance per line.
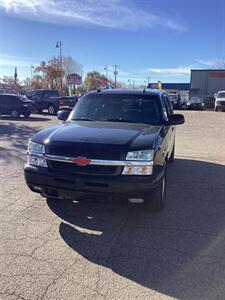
column 221, row 95
column 117, row 108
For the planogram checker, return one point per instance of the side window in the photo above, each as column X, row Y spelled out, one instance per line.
column 12, row 100
column 165, row 108
column 36, row 95
column 47, row 95
column 169, row 105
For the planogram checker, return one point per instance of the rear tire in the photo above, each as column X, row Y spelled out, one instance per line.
column 215, row 109
column 158, row 201
column 51, row 110
column 15, row 114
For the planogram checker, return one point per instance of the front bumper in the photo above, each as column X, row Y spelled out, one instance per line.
column 220, row 107
column 53, row 184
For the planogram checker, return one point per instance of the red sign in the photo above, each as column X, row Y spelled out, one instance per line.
column 74, row 79
column 81, row 161
column 217, row 74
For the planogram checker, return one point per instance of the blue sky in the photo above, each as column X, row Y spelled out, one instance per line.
column 161, row 39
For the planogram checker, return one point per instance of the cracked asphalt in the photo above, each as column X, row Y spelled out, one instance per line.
column 68, row 250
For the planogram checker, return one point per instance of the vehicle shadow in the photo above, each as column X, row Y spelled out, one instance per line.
column 13, row 141
column 179, row 252
column 29, row 119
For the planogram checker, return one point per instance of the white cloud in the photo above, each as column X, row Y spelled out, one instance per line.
column 10, row 60
column 185, row 70
column 120, row 14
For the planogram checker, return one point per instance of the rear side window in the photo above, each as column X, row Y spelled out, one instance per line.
column 3, row 99
column 49, row 94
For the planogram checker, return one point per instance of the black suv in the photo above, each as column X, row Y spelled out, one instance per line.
column 15, row 105
column 45, row 99
column 115, row 143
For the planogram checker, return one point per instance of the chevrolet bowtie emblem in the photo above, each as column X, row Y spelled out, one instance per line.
column 81, row 161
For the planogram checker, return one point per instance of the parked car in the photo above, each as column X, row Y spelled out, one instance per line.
column 176, row 101
column 209, row 102
column 67, row 102
column 115, row 143
column 220, row 101
column 45, row 99
column 15, row 105
column 195, row 103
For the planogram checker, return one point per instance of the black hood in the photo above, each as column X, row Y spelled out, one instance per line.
column 121, row 137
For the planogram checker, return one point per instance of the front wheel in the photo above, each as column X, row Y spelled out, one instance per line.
column 172, row 155
column 51, row 110
column 158, row 201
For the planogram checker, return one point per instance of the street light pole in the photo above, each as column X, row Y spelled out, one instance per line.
column 115, row 74
column 59, row 45
column 31, row 76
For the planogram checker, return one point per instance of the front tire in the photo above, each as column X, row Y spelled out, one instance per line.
column 51, row 110
column 158, row 201
column 172, row 155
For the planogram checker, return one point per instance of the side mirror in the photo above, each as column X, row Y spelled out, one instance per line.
column 63, row 115
column 176, row 119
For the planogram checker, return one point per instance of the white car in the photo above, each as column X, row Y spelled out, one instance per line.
column 220, row 101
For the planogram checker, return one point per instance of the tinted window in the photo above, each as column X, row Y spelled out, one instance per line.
column 165, row 108
column 118, row 108
column 49, row 94
column 3, row 99
column 169, row 105
column 36, row 95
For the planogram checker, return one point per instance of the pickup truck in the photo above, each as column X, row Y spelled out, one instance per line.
column 45, row 99
column 114, row 144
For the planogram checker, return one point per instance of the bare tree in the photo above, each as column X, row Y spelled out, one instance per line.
column 71, row 66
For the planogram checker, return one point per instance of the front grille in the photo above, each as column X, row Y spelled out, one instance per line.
column 92, row 151
column 70, row 168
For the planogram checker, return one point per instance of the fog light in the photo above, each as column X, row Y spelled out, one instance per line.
column 136, row 200
column 36, row 188
column 137, row 170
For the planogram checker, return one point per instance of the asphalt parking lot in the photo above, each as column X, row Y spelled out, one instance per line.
column 65, row 250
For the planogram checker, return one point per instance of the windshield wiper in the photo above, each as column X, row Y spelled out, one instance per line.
column 82, row 119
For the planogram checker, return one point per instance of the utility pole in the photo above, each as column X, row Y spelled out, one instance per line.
column 59, row 45
column 115, row 67
column 31, row 76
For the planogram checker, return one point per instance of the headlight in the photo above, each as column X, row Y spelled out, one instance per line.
column 143, row 155
column 140, row 155
column 36, row 160
column 36, row 148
